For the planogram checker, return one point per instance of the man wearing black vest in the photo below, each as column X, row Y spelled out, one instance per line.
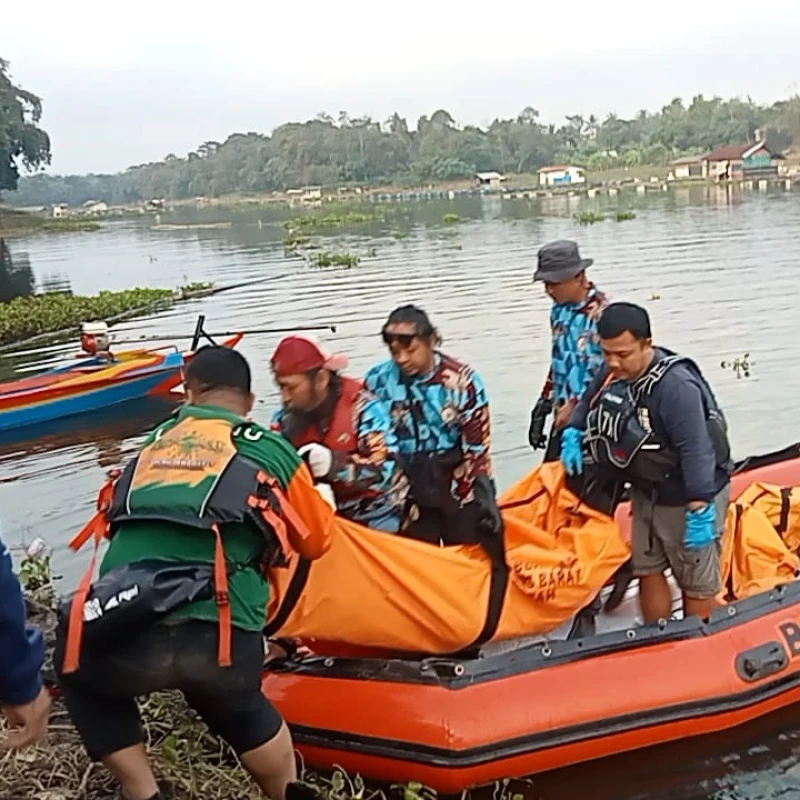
column 650, row 418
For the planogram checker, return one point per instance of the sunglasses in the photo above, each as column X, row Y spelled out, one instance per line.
column 403, row 339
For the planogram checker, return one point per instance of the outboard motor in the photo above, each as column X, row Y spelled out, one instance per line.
column 94, row 338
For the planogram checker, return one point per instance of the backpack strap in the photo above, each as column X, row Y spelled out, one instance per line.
column 98, row 525
column 296, row 532
column 223, row 600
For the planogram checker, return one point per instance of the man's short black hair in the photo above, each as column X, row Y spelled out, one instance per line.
column 617, row 318
column 215, row 367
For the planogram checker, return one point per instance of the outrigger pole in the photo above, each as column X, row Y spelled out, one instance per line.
column 201, row 333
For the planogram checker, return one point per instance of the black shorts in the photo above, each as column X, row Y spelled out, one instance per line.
column 100, row 696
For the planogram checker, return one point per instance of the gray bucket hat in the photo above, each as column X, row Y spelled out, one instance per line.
column 559, row 261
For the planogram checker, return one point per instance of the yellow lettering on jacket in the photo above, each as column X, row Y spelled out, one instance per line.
column 186, row 454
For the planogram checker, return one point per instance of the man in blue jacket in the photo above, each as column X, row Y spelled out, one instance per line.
column 576, row 353
column 23, row 698
column 650, row 418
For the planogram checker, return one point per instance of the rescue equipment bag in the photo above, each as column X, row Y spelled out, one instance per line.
column 131, row 598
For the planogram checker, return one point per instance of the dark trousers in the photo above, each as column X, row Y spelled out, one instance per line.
column 101, row 695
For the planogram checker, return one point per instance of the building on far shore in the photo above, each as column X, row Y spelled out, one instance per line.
column 685, row 168
column 308, row 195
column 95, row 207
column 741, row 161
column 561, row 174
column 493, row 181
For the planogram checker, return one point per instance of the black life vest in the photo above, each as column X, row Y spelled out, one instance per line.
column 619, row 434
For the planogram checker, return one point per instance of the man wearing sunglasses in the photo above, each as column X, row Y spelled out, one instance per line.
column 440, row 418
column 576, row 351
column 343, row 433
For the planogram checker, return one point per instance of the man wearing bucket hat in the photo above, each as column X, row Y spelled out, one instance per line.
column 576, row 351
column 341, row 430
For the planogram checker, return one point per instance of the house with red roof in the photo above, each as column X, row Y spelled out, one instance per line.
column 754, row 160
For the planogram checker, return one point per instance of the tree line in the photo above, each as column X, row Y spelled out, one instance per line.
column 349, row 150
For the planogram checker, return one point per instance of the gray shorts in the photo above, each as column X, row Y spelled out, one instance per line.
column 658, row 543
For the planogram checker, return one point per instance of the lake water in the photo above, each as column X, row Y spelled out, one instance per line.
column 717, row 269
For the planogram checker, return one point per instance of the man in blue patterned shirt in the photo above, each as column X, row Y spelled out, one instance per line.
column 576, row 354
column 440, row 420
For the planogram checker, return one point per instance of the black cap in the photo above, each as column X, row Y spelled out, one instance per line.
column 213, row 367
column 559, row 261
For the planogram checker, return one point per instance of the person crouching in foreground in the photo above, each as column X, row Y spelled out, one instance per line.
column 341, row 430
column 186, row 503
column 650, row 418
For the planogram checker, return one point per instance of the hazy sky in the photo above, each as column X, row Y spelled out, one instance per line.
column 124, row 84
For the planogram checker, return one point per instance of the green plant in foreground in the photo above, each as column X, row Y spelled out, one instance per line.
column 451, row 218
column 624, row 216
column 399, row 235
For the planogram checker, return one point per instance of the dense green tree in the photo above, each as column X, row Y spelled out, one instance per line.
column 21, row 138
column 341, row 149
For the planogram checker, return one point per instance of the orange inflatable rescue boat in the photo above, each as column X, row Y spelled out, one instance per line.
column 433, row 664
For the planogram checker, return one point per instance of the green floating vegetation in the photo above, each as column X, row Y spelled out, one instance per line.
column 21, row 222
column 84, row 225
column 399, row 235
column 25, row 317
column 313, row 221
column 194, row 290
column 741, row 366
column 451, row 218
column 189, row 288
column 588, row 218
column 294, row 239
column 327, row 259
column 624, row 216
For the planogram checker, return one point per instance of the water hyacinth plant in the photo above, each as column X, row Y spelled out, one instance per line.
column 25, row 317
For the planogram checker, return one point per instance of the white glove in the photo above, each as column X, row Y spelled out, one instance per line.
column 326, row 493
column 319, row 459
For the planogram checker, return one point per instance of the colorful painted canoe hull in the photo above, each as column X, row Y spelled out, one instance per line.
column 89, row 392
column 91, row 385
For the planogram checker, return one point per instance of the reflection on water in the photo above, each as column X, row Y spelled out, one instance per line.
column 16, row 276
column 721, row 262
column 760, row 761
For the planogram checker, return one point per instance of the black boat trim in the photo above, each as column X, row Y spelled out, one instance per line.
column 456, row 673
column 524, row 745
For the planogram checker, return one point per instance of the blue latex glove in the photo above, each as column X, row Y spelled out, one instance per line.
column 572, row 451
column 701, row 527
